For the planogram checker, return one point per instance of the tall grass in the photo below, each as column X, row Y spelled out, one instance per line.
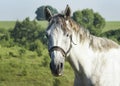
column 28, row 69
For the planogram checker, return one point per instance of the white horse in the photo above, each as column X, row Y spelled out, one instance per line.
column 95, row 60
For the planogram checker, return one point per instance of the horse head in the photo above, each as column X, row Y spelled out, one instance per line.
column 59, row 39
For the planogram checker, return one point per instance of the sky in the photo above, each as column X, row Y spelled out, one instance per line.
column 20, row 9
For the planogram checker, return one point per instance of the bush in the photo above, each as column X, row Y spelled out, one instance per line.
column 90, row 20
column 112, row 34
column 26, row 31
column 5, row 38
column 30, row 35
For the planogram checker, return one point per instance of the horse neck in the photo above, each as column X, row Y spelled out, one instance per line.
column 79, row 53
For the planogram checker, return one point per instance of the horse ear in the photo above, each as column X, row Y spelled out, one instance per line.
column 67, row 12
column 48, row 13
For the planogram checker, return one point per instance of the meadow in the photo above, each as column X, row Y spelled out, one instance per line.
column 21, row 67
column 29, row 69
column 7, row 24
column 111, row 25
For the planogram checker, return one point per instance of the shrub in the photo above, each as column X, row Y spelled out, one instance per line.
column 90, row 20
column 29, row 34
column 112, row 34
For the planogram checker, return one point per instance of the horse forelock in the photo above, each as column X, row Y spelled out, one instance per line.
column 60, row 18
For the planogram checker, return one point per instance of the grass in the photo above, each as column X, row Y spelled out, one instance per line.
column 26, row 72
column 43, row 23
column 110, row 25
column 29, row 70
column 11, row 24
column 7, row 24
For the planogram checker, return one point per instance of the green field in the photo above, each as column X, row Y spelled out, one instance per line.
column 43, row 23
column 18, row 68
column 29, row 70
column 111, row 25
column 7, row 24
column 11, row 24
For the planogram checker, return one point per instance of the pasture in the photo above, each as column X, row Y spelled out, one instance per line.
column 7, row 24
column 21, row 67
column 111, row 25
column 28, row 69
column 11, row 24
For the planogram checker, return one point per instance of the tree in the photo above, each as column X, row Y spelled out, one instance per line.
column 98, row 22
column 40, row 12
column 87, row 17
column 77, row 16
column 90, row 20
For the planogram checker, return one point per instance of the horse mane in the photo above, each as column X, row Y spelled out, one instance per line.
column 96, row 43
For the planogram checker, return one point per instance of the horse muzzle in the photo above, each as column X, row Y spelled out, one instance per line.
column 57, row 69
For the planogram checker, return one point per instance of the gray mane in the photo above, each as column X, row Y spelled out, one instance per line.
column 96, row 43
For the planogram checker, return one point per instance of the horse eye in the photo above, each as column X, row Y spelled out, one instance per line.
column 67, row 34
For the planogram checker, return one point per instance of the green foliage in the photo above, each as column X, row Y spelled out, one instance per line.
column 53, row 10
column 98, row 22
column 87, row 17
column 29, row 69
column 37, row 46
column 5, row 38
column 42, row 24
column 77, row 16
column 28, row 34
column 90, row 20
column 112, row 34
column 40, row 12
column 25, row 31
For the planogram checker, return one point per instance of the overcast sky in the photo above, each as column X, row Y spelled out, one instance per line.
column 20, row 9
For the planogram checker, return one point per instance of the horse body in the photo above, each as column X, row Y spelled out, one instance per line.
column 95, row 60
column 95, row 67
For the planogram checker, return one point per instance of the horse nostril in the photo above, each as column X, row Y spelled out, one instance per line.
column 61, row 65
